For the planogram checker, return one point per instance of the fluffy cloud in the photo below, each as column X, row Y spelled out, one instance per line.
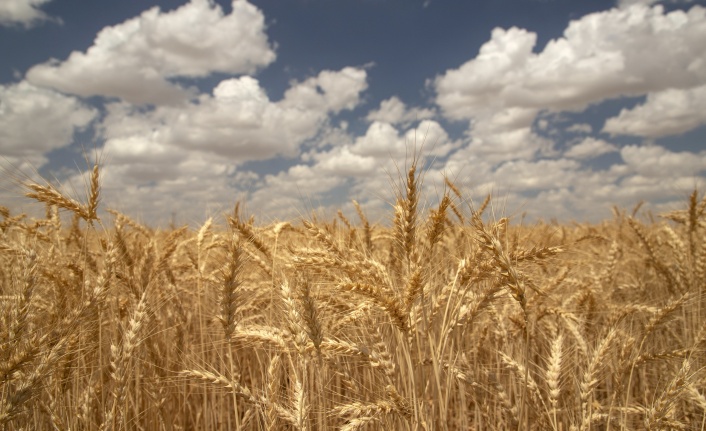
column 567, row 190
column 193, row 188
column 191, row 157
column 394, row 111
column 507, row 134
column 364, row 168
column 542, row 174
column 342, row 162
column 627, row 3
column 238, row 121
column 658, row 162
column 159, row 158
column 134, row 60
column 580, row 128
column 590, row 148
column 24, row 12
column 603, row 55
column 35, row 120
column 664, row 113
column 383, row 141
column 330, row 91
column 630, row 51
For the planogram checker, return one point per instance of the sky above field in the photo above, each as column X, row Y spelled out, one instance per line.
column 559, row 108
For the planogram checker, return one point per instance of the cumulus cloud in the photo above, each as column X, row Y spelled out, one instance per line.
column 602, row 55
column 567, row 190
column 23, row 12
column 364, row 168
column 342, row 162
column 35, row 120
column 385, row 142
column 195, row 153
column 507, row 134
column 580, row 128
column 193, row 188
column 631, row 51
column 394, row 111
column 658, row 162
column 329, row 91
column 293, row 192
column 135, row 60
column 664, row 113
column 627, row 3
column 238, row 121
column 590, row 148
column 523, row 175
column 187, row 153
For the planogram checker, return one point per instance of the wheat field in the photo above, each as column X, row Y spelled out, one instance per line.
column 449, row 319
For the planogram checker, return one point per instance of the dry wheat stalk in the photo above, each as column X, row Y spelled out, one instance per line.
column 273, row 387
column 121, row 355
column 67, row 289
column 249, row 235
column 380, row 298
column 651, row 248
column 300, row 408
column 394, row 404
column 275, row 337
column 553, row 375
column 437, row 223
column 367, row 233
column 51, row 196
column 507, row 270
column 524, row 377
column 660, row 415
column 230, row 283
column 591, row 373
column 309, row 314
column 221, row 381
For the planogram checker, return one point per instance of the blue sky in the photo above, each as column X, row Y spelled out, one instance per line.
column 560, row 108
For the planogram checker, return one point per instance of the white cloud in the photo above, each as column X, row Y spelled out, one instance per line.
column 627, row 3
column 194, row 188
column 664, row 113
column 135, row 59
column 237, row 122
column 510, row 145
column 380, row 140
column 342, row 162
column 24, row 12
column 620, row 52
column 658, row 162
column 481, row 83
column 523, row 175
column 35, row 120
column 364, row 169
column 590, row 148
column 329, row 91
column 291, row 193
column 506, row 134
column 580, row 128
column 381, row 149
column 562, row 188
column 394, row 111
column 383, row 141
column 602, row 55
column 192, row 156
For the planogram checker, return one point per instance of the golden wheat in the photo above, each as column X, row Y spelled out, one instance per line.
column 432, row 323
